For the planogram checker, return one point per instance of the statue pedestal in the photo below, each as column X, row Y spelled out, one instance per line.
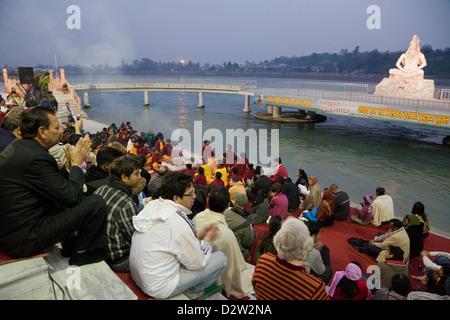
column 406, row 88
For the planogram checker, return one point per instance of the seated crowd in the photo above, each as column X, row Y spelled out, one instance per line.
column 110, row 196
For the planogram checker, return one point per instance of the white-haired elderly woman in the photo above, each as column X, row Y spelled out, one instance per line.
column 283, row 276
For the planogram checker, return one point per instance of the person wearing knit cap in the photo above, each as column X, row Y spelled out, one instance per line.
column 236, row 218
column 240, row 199
column 367, row 199
column 10, row 127
column 348, row 285
column 363, row 216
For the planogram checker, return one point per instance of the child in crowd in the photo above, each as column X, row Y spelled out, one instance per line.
column 363, row 216
column 217, row 182
column 189, row 170
column 200, row 177
column 248, row 175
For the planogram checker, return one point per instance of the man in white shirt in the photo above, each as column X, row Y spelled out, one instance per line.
column 436, row 270
column 382, row 208
column 167, row 255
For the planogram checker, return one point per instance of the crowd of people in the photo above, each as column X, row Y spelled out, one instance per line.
column 36, row 94
column 110, row 196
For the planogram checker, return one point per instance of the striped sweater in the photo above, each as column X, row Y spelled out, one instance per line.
column 276, row 279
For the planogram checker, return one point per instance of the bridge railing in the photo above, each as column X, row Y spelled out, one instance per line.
column 162, row 80
column 319, row 85
column 363, row 98
column 160, row 85
column 74, row 95
column 223, row 83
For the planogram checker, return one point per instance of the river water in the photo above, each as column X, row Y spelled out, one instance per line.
column 357, row 154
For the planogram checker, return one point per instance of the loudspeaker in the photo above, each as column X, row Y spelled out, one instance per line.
column 26, row 75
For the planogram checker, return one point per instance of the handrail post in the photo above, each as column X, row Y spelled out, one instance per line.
column 247, row 103
column 6, row 80
column 146, row 103
column 86, row 99
column 200, row 100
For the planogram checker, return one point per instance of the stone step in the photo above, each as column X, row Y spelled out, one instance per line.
column 63, row 98
column 94, row 281
column 35, row 287
column 17, row 270
column 25, row 280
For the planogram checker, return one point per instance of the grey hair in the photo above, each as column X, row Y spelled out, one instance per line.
column 293, row 240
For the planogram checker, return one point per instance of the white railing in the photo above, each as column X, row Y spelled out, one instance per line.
column 317, row 85
column 435, row 104
column 162, row 80
column 159, row 85
column 221, row 83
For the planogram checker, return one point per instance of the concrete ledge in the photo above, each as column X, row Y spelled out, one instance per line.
column 25, row 280
column 14, row 271
column 94, row 281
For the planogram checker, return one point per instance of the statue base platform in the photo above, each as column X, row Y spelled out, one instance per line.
column 420, row 89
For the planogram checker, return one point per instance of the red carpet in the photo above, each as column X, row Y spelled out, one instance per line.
column 342, row 253
column 126, row 278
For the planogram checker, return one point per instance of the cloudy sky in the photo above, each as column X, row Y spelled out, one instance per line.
column 210, row 31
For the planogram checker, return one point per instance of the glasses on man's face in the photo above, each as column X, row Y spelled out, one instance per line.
column 189, row 195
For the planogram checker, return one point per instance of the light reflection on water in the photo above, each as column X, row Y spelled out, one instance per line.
column 357, row 154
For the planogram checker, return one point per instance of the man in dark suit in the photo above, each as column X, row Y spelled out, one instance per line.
column 38, row 206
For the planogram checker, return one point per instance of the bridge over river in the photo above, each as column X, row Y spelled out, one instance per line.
column 200, row 85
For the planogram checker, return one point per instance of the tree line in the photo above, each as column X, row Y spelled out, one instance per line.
column 344, row 62
column 372, row 62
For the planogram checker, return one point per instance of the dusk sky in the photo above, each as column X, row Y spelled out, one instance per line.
column 210, row 31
